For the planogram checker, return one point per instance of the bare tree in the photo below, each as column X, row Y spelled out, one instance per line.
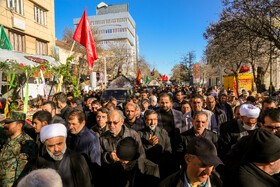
column 247, row 26
column 179, row 73
column 80, row 53
column 188, row 60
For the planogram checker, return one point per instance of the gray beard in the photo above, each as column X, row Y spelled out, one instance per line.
column 249, row 128
column 57, row 158
column 153, row 128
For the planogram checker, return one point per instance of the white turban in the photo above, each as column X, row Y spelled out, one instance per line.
column 52, row 130
column 249, row 110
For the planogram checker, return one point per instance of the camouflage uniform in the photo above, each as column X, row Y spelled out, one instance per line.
column 16, row 157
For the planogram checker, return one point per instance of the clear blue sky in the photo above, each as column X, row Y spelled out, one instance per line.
column 164, row 27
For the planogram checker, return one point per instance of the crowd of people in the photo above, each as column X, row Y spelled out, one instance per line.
column 167, row 136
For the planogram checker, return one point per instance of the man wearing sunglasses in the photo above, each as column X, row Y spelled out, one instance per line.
column 117, row 131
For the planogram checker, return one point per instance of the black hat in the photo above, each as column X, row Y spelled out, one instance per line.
column 251, row 99
column 264, row 147
column 205, row 150
column 127, row 149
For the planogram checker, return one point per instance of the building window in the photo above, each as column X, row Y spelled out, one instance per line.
column 40, row 15
column 17, row 40
column 41, row 48
column 16, row 5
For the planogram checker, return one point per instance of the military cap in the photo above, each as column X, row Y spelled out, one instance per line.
column 15, row 116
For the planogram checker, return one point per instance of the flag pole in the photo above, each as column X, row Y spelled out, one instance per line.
column 105, row 72
column 61, row 76
column 72, row 47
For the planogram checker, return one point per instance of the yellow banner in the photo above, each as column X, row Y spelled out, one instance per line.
column 59, row 85
column 6, row 109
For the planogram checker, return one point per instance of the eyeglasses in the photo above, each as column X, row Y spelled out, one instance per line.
column 103, row 117
column 272, row 128
column 113, row 122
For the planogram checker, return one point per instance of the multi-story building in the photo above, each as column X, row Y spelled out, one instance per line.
column 30, row 25
column 114, row 27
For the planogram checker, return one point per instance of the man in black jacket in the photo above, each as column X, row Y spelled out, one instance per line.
column 220, row 115
column 261, row 161
column 71, row 166
column 50, row 107
column 270, row 120
column 39, row 120
column 131, row 170
column 201, row 158
column 117, row 131
column 60, row 100
column 198, row 129
column 131, row 120
column 156, row 142
column 233, row 131
column 223, row 105
column 173, row 122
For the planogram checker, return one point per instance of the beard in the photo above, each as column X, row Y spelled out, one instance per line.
column 59, row 157
column 152, row 127
column 10, row 132
column 115, row 130
column 249, row 128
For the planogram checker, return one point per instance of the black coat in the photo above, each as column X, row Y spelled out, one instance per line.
column 79, row 169
column 58, row 119
column 250, row 175
column 65, row 112
column 230, row 134
column 177, row 179
column 109, row 143
column 190, row 134
column 144, row 174
column 229, row 112
column 137, row 125
column 159, row 153
column 220, row 116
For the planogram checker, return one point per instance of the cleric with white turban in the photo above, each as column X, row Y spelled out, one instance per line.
column 249, row 115
column 52, row 130
column 249, row 111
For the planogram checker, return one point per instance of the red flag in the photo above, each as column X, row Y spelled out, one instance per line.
column 83, row 35
column 138, row 78
column 235, row 88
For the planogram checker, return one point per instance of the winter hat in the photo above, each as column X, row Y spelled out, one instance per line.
column 127, row 149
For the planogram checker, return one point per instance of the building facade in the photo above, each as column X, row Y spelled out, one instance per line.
column 30, row 25
column 115, row 29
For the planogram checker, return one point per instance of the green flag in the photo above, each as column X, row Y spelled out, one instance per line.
column 147, row 79
column 4, row 40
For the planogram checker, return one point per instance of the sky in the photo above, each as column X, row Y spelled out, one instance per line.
column 167, row 29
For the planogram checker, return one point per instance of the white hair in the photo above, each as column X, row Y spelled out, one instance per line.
column 41, row 177
column 120, row 113
column 153, row 98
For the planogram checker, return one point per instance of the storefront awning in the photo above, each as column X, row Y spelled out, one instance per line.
column 26, row 58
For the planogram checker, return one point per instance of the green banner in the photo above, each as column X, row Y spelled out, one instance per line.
column 26, row 94
column 12, row 80
column 147, row 79
column 4, row 40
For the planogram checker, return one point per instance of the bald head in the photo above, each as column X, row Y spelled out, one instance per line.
column 130, row 105
column 130, row 112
